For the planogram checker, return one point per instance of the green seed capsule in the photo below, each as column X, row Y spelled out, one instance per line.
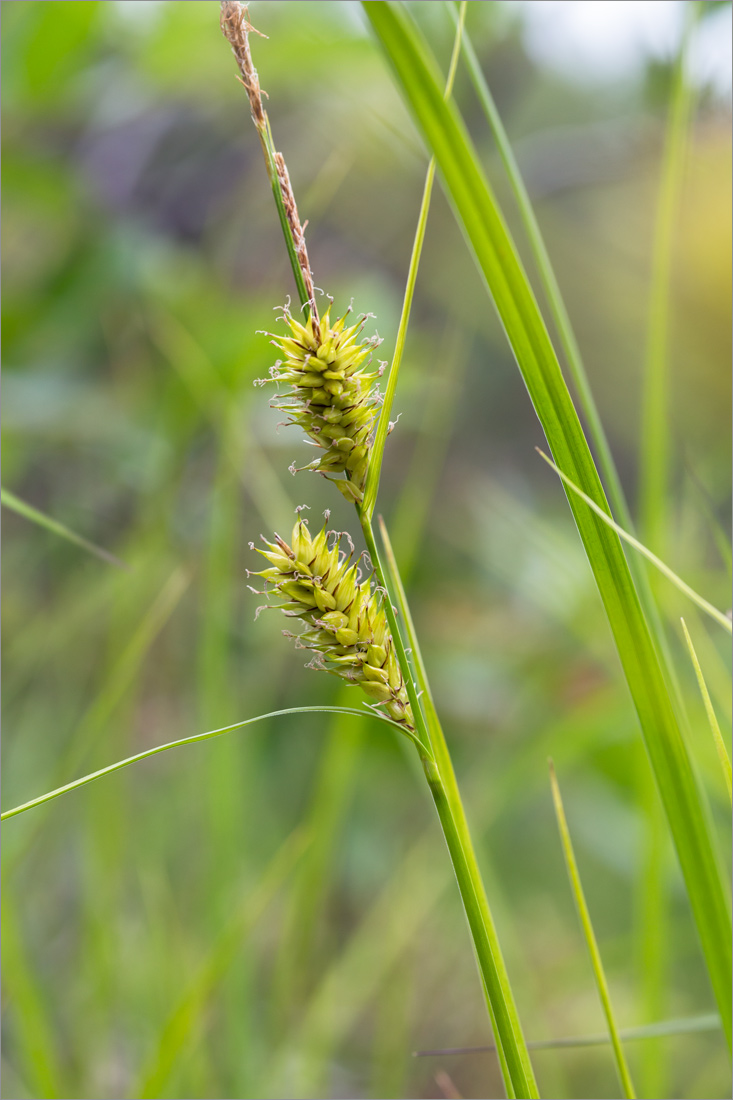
column 372, row 673
column 300, row 593
column 324, row 599
column 336, row 619
column 376, row 691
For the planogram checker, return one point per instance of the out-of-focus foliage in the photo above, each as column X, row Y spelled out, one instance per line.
column 165, row 935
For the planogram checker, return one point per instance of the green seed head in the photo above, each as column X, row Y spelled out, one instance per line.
column 313, row 580
column 333, row 399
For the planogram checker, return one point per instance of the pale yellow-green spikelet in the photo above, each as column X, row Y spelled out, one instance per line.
column 346, row 626
column 333, row 398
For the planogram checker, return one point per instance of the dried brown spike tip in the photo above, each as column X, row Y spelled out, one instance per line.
column 235, row 27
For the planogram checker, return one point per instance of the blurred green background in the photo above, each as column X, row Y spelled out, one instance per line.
column 273, row 914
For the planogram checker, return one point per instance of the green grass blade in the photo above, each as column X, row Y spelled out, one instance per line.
column 11, row 501
column 655, row 440
column 590, row 938
column 720, row 618
column 573, row 357
column 380, row 436
column 488, row 238
column 119, row 764
column 712, row 719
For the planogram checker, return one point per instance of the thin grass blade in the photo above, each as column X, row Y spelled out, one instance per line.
column 590, row 938
column 380, row 436
column 558, row 309
column 720, row 618
column 27, row 511
column 119, row 764
column 725, row 764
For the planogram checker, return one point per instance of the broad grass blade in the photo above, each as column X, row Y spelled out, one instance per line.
column 488, row 238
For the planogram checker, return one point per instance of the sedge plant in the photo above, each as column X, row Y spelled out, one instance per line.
column 344, row 607
column 349, row 621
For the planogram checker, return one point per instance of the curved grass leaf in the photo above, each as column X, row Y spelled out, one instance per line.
column 488, row 238
column 119, row 764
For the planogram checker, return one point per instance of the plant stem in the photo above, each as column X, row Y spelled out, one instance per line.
column 236, row 28
column 511, row 1046
column 517, row 1071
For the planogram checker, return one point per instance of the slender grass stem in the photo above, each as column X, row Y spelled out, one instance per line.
column 513, row 1056
column 236, row 29
column 500, row 985
column 380, row 436
column 268, row 148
